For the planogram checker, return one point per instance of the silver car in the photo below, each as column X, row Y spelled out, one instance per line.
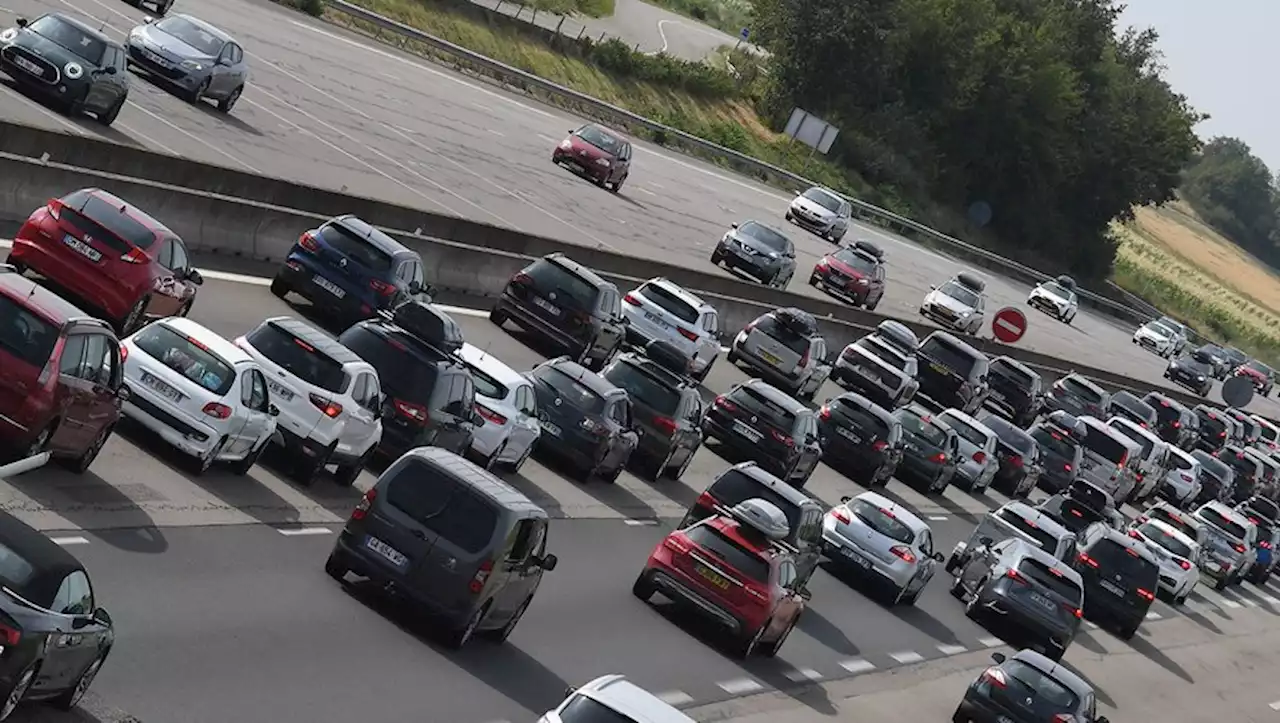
column 821, row 211
column 191, row 56
column 1177, row 554
column 662, row 310
column 786, row 349
column 758, row 251
column 878, row 371
column 873, row 535
column 1021, row 520
column 1229, row 544
column 978, row 462
column 958, row 305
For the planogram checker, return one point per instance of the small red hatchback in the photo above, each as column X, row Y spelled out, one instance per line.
column 62, row 384
column 110, row 255
column 596, row 153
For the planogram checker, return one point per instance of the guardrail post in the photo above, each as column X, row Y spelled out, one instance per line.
column 559, row 25
column 23, row 465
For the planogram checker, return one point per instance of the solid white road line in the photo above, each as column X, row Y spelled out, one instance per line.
column 675, row 698
column 938, row 518
column 740, row 686
column 857, row 665
column 907, row 657
column 302, row 531
column 70, row 540
column 640, row 523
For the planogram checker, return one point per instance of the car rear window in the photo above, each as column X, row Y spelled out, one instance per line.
column 644, row 388
column 1166, row 539
column 1132, row 567
column 872, row 369
column 351, row 245
column 1031, row 529
column 863, row 419
column 1021, row 377
column 1105, row 445
column 1242, row 464
column 1052, row 578
column 571, row 391
column 882, row 521
column 790, row 338
column 298, row 358
column 1142, row 441
column 1048, row 696
column 758, row 403
column 186, row 357
column 734, row 487
column 587, row 710
column 1265, row 530
column 401, row 373
column 670, row 302
column 745, row 561
column 967, row 431
column 887, row 353
column 948, row 354
column 24, row 335
column 487, row 385
column 1166, row 413
column 858, row 262
column 107, row 224
column 442, row 505
column 1080, row 389
column 570, row 289
column 1266, row 432
column 1054, row 442
column 923, row 428
column 1212, row 422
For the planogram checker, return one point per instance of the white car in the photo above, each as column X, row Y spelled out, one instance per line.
column 613, row 699
column 506, row 401
column 1157, row 338
column 1056, row 300
column 873, row 534
column 1177, row 554
column 821, row 211
column 1182, row 482
column 958, row 305
column 661, row 310
column 330, row 400
column 1180, row 333
column 1153, row 461
column 199, row 392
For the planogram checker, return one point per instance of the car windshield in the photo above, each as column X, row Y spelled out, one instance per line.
column 967, row 431
column 1052, row 578
column 946, row 353
column 353, row 246
column 1055, row 442
column 764, row 235
column 857, row 261
column 600, row 138
column 1031, row 529
column 670, row 302
column 487, row 385
column 1048, row 697
column 401, row 373
column 298, row 357
column 587, row 710
column 961, row 293
column 187, row 357
column 1057, row 289
column 569, row 390
column 1105, row 444
column 743, row 560
column 881, row 520
column 24, row 335
column 823, row 198
column 1226, row 524
column 1166, row 539
column 70, row 37
column 923, row 428
column 569, row 288
column 643, row 388
column 205, row 42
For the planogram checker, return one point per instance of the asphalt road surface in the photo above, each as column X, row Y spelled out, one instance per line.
column 331, row 109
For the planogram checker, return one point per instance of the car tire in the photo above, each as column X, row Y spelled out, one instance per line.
column 345, row 475
column 684, row 466
column 872, row 306
column 701, row 376
column 658, row 467
column 18, row 692
column 971, row 607
column 617, row 185
column 194, row 97
column 109, row 116
column 200, row 465
column 772, row 649
column 746, row 647
column 278, row 288
column 515, row 468
column 305, row 470
column 133, row 318
column 226, row 104
column 71, row 697
column 81, row 464
column 956, row 588
column 491, row 461
column 161, row 10
column 335, row 568
column 242, row 467
column 643, row 588
column 40, row 442
column 960, row 717
column 501, row 634
column 458, row 638
column 1220, row 584
column 1128, row 631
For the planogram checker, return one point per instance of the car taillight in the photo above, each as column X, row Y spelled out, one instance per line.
column 725, row 404
column 749, row 327
column 1063, row 718
column 217, row 410
column 362, row 509
column 783, row 438
column 1135, row 534
column 1146, row 595
column 804, row 359
column 632, row 299
column 522, row 279
column 1088, row 560
column 1184, row 564
column 1176, row 425
column 904, row 553
column 490, row 415
column 1142, row 518
column 879, row 445
column 824, row 413
column 666, row 425
column 330, row 408
column 124, row 353
column 979, row 457
column 382, row 287
column 481, row 576
column 676, row 543
column 55, row 209
column 10, row 636
column 1239, row 548
column 415, row 412
column 1221, row 435
column 1265, row 545
column 1077, row 612
column 1066, row 468
column 308, row 242
column 1016, row 460
column 135, row 256
column 996, row 677
column 938, row 458
column 842, row 515
column 690, row 335
column 822, row 266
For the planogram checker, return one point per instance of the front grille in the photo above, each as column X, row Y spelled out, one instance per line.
column 944, row 312
column 161, row 67
column 48, row 72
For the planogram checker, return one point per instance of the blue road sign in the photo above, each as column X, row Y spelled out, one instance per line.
column 746, row 33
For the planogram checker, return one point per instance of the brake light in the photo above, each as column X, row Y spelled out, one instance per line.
column 1016, row 460
column 1265, row 545
column 676, row 543
column 1066, row 468
column 1012, row 574
column 1221, row 435
column 330, row 408
column 382, row 287
column 842, row 515
column 1088, row 560
column 490, row 415
column 124, row 353
column 904, row 553
column 1078, row 613
column 1063, row 718
column 1077, row 514
column 996, row 677
column 481, row 576
column 979, row 457
column 690, row 335
column 749, row 327
column 415, row 412
column 308, row 242
column 55, row 209
column 783, row 438
column 666, row 424
column 879, row 445
column 1177, row 424
column 135, row 256
column 1164, row 402
column 725, row 404
column 522, row 278
column 824, row 413
column 1056, row 436
column 217, row 410
column 10, row 636
column 888, row 513
column 938, row 458
column 1146, row 595
column 1184, row 564
column 1135, row 534
column 632, row 299
column 362, row 509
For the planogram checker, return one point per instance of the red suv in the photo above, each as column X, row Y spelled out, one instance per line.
column 726, row 568
column 853, row 273
column 62, row 384
column 109, row 254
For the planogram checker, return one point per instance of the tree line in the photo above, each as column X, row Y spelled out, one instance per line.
column 1234, row 192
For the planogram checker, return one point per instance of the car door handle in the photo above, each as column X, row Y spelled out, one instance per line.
column 419, row 534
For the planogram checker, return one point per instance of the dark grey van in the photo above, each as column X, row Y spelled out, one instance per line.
column 453, row 539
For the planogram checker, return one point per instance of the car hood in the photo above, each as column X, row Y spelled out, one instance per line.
column 803, row 204
column 937, row 298
column 1194, row 367
column 48, row 49
column 586, row 151
column 755, row 244
column 1047, row 294
column 170, row 46
column 1153, row 334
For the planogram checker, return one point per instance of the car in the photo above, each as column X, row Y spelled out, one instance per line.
column 1176, row 555
column 748, row 480
column 596, row 153
column 56, row 636
column 567, row 304
column 735, row 569
column 1129, row 406
column 68, row 63
column 898, row 335
column 1230, row 544
column 758, row 250
column 1180, row 332
column 952, row 373
column 1121, row 576
column 1017, row 392
column 957, row 305
column 1264, row 548
column 1212, row 429
column 855, row 274
column 1078, row 396
column 162, row 7
column 1252, row 430
column 1026, row 589
column 1016, row 520
column 1107, row 455
column 191, row 56
column 785, row 347
column 109, row 254
column 1218, row 359
column 201, row 394
column 429, row 390
column 586, row 420
column 978, row 462
column 467, row 549
column 1216, row 479
column 1152, row 459
column 1018, row 455
column 1247, row 471
column 1262, row 376
column 1234, row 357
column 1157, row 338
column 613, row 698
column 1061, row 453
column 871, row 367
column 1263, row 507
column 1078, row 507
column 350, row 270
column 1266, row 484
column 821, row 211
column 1175, row 424
column 1193, row 372
column 758, row 422
column 931, row 449
column 330, row 400
column 1184, row 522
column 860, row 439
column 1056, row 299
column 1181, row 484
column 1268, row 435
column 508, row 405
column 63, row 385
column 1056, row 693
column 662, row 310
column 665, row 408
column 874, row 537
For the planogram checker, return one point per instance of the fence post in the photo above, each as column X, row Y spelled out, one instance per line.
column 498, row 7
column 581, row 30
column 559, row 25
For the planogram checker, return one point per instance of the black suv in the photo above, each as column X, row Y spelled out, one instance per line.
column 586, row 420
column 568, row 303
column 953, row 373
column 1061, row 456
column 1130, row 407
column 1021, row 461
column 1246, row 469
column 758, row 422
column 1078, row 396
column 1017, row 393
column 665, row 407
column 1175, row 424
column 1121, row 577
column 860, row 439
column 429, row 390
column 1212, row 431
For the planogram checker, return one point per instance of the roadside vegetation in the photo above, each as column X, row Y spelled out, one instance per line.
column 590, row 8
column 730, row 16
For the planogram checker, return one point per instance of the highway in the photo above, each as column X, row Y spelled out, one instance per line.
column 331, row 109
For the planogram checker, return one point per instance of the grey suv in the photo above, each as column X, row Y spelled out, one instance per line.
column 759, row 251
column 786, row 349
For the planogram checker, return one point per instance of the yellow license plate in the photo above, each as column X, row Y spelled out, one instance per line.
column 713, row 578
column 770, row 358
column 940, row 369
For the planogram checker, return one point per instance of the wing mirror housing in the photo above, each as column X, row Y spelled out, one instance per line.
column 549, row 562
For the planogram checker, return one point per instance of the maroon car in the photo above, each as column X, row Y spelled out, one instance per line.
column 595, row 153
column 1262, row 376
column 855, row 274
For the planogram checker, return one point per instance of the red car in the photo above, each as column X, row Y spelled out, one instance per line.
column 855, row 274
column 595, row 153
column 728, row 569
column 109, row 254
column 63, row 381
column 1262, row 376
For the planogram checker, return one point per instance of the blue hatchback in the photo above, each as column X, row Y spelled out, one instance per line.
column 351, row 270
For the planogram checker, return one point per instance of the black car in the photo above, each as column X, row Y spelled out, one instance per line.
column 1121, row 576
column 1193, row 371
column 760, row 251
column 761, row 423
column 1217, row 480
column 1130, row 407
column 430, row 394
column 665, row 407
column 1028, row 688
column 1218, row 358
column 1078, row 396
column 860, row 439
column 1061, row 456
column 1175, row 424
column 1212, row 430
column 1252, row 430
column 1021, row 462
column 567, row 303
column 67, row 62
column 953, row 373
column 1017, row 392
column 1246, row 469
column 586, row 420
column 931, row 449
column 54, row 636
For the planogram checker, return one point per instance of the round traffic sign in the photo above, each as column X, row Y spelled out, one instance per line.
column 1009, row 324
column 1237, row 392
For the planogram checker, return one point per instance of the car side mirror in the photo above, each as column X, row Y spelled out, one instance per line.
column 984, row 541
column 21, row 22
column 224, row 62
column 933, row 286
column 195, row 277
column 549, row 562
column 938, row 557
column 147, row 19
column 999, row 658
column 123, row 393
column 273, row 410
column 570, row 691
column 79, row 622
column 109, row 70
column 845, row 499
column 1101, row 719
column 734, row 224
column 100, row 615
column 805, row 593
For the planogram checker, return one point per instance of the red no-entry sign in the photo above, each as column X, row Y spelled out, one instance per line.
column 1009, row 325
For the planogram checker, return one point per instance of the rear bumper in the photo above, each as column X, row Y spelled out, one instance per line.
column 193, row 438
column 765, row 370
column 92, row 287
column 848, row 290
column 353, row 555
column 835, row 543
column 742, row 447
column 673, row 587
column 529, row 321
column 300, row 278
column 590, row 170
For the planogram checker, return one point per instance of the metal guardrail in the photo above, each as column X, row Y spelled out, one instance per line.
column 606, row 110
column 23, row 465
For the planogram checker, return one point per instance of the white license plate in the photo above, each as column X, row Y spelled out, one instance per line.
column 284, row 392
column 388, row 553
column 848, row 435
column 329, row 286
column 655, row 319
column 28, row 66
column 770, row 358
column 746, row 431
column 1042, row 601
column 1112, row 588
column 855, row 557
column 546, row 305
column 155, row 58
column 82, row 248
column 161, row 387
column 551, row 429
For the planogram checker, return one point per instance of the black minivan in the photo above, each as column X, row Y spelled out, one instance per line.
column 453, row 539
column 953, row 373
column 1121, row 577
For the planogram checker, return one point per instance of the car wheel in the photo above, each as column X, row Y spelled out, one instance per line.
column 459, row 637
column 132, row 318
column 872, row 306
column 683, row 466
column 492, row 460
column 17, row 692
column 345, row 475
column 40, row 443
column 702, row 375
column 971, row 609
column 747, row 646
column 501, row 635
column 1220, row 584
column 1128, row 631
column 642, row 588
column 772, row 650
column 278, row 288
column 202, row 464
column 617, row 185
column 334, row 568
column 515, row 467
column 197, row 95
column 161, row 10
column 81, row 464
column 242, row 467
column 72, row 697
column 960, row 717
column 226, row 104
column 109, row 116
column 957, row 587
column 659, row 467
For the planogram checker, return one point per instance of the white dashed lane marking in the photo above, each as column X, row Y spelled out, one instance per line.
column 990, row 642
column 675, row 697
column 64, row 541
column 304, row 531
column 857, row 665
column 803, row 675
column 938, row 518
column 1154, row 616
column 907, row 657
column 640, row 523
column 740, row 686
column 952, row 649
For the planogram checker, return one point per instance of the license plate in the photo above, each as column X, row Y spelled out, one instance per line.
column 388, row 553
column 770, row 358
column 939, row 368
column 550, row 428
column 546, row 305
column 161, row 387
column 848, row 435
column 712, row 577
column 155, row 58
column 655, row 319
column 855, row 557
column 1005, row 719
column 28, row 66
column 747, row 432
column 329, row 286
column 1112, row 588
column 82, row 248
column 1042, row 601
column 282, row 391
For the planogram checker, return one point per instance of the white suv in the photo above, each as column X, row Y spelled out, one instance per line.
column 330, row 400
column 506, row 401
column 661, row 310
column 613, row 698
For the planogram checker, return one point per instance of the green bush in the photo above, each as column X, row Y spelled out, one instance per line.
column 315, row 8
column 618, row 59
